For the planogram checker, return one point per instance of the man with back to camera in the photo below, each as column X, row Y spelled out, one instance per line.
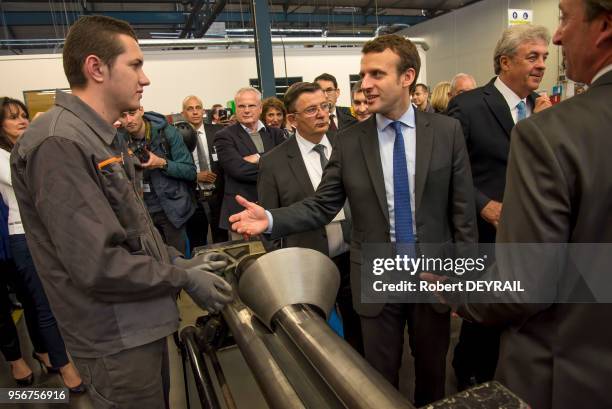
column 487, row 115
column 239, row 147
column 210, row 180
column 292, row 172
column 558, row 355
column 340, row 117
column 420, row 98
column 167, row 169
column 359, row 102
column 461, row 83
column 108, row 275
column 398, row 160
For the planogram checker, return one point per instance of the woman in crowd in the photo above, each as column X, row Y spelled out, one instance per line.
column 274, row 114
column 49, row 348
column 440, row 96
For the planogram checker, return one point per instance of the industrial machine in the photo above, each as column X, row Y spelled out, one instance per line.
column 274, row 335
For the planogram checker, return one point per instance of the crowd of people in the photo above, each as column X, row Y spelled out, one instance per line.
column 112, row 215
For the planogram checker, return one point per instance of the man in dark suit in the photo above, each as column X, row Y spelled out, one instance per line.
column 487, row 115
column 292, row 171
column 384, row 179
column 239, row 148
column 209, row 187
column 340, row 117
column 559, row 190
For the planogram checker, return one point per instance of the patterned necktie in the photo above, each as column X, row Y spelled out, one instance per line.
column 346, row 224
column 521, row 109
column 332, row 124
column 401, row 190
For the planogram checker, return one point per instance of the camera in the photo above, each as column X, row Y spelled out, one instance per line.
column 140, row 148
column 223, row 114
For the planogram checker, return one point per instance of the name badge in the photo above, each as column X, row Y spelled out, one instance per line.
column 214, row 157
column 146, row 188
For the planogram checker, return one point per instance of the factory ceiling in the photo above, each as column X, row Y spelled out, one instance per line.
column 43, row 23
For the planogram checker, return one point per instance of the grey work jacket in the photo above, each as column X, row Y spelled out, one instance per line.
column 104, row 266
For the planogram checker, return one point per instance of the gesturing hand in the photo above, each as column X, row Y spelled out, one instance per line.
column 251, row 221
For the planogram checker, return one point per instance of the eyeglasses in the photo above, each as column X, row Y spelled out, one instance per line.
column 195, row 108
column 312, row 110
column 329, row 91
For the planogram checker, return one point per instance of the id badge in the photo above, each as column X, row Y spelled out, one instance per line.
column 146, row 188
column 214, row 157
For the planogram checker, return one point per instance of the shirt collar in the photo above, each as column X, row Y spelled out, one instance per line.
column 510, row 96
column 602, row 72
column 86, row 113
column 201, row 128
column 309, row 146
column 407, row 118
column 259, row 126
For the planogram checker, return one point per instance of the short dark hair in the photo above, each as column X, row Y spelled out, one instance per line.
column 97, row 35
column 594, row 8
column 404, row 48
column 327, row 77
column 5, row 106
column 420, row 84
column 273, row 102
column 297, row 89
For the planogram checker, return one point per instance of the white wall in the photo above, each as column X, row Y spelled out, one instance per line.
column 464, row 40
column 214, row 75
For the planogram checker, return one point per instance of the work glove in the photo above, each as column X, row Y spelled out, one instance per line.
column 205, row 287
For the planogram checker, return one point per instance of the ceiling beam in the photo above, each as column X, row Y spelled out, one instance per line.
column 41, row 18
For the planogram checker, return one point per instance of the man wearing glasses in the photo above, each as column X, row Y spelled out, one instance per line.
column 293, row 171
column 239, row 148
column 340, row 117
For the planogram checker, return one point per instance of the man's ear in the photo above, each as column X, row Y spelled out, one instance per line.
column 409, row 77
column 291, row 120
column 94, row 68
column 605, row 30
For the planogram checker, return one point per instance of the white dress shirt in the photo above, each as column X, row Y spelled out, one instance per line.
column 8, row 194
column 512, row 99
column 335, row 241
column 386, row 140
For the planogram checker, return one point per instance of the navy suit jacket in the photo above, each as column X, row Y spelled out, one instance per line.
column 232, row 144
column 487, row 122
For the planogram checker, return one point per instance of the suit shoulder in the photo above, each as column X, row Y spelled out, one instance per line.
column 278, row 151
column 227, row 132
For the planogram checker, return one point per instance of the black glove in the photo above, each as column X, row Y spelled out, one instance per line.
column 206, row 288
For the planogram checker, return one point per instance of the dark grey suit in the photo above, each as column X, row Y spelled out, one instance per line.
column 345, row 119
column 284, row 180
column 487, row 122
column 558, row 190
column 444, row 212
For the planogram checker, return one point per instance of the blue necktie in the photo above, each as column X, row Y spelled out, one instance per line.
column 401, row 190
column 521, row 111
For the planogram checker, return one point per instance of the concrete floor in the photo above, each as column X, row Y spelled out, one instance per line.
column 234, row 368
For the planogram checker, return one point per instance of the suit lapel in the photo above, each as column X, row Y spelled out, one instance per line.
column 499, row 107
column 266, row 138
column 424, row 145
column 298, row 167
column 371, row 154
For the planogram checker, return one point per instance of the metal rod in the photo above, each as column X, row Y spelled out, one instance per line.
column 275, row 386
column 356, row 383
column 203, row 380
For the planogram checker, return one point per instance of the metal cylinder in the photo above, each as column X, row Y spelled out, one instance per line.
column 277, row 390
column 357, row 384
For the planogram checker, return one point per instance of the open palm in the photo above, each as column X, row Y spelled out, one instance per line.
column 251, row 221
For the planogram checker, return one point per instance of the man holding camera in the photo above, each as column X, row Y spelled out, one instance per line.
column 210, row 183
column 167, row 167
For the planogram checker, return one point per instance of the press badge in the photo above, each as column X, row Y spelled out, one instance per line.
column 146, row 188
column 214, row 157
